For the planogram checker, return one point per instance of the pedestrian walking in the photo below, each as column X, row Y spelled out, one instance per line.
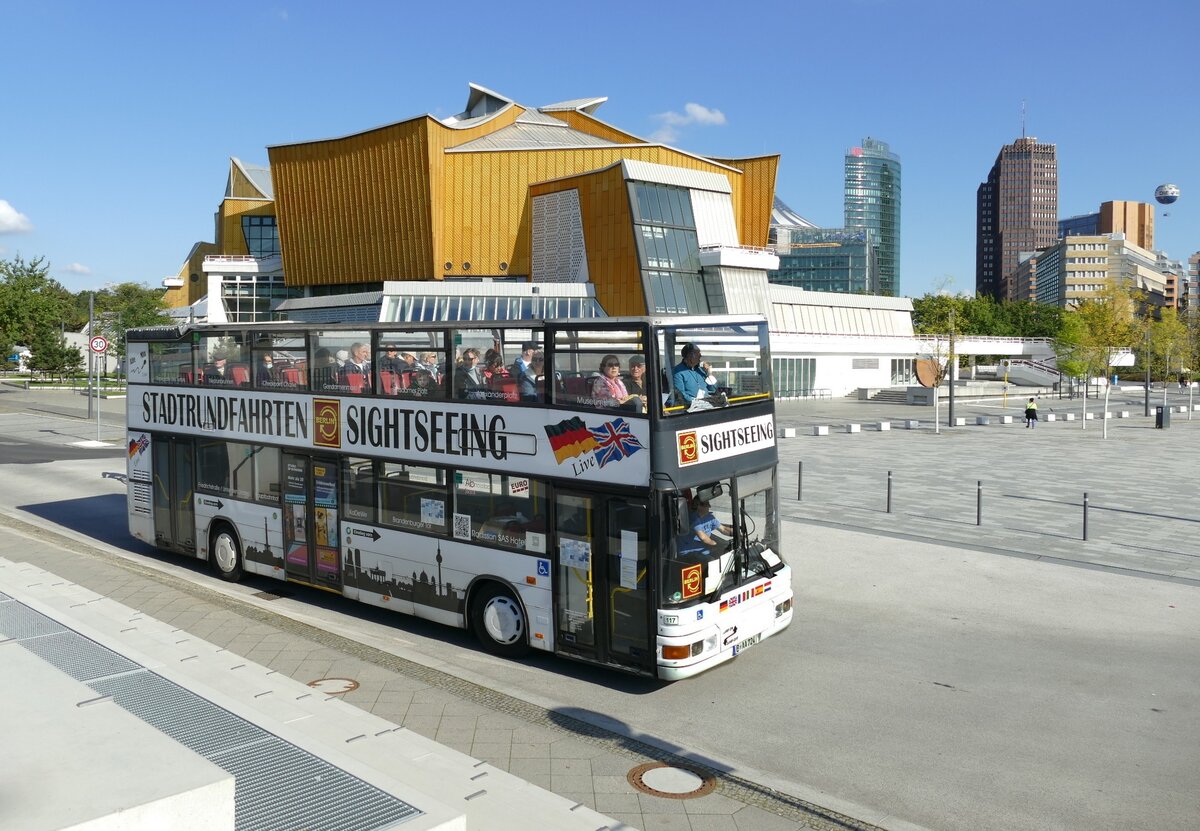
column 1031, row 414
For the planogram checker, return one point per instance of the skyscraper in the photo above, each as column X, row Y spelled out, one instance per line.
column 1016, row 210
column 872, row 198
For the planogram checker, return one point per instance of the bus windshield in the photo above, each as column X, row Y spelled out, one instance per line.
column 711, row 366
column 726, row 533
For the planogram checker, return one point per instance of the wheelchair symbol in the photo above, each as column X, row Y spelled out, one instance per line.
column 543, row 568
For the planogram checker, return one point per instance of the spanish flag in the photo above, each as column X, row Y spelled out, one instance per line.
column 570, row 438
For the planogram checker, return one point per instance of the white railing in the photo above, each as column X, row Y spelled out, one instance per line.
column 229, row 258
column 753, row 249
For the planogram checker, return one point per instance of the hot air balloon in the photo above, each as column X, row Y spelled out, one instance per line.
column 1166, row 194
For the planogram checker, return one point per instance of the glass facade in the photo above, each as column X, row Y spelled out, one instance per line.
column 826, row 259
column 433, row 308
column 794, row 377
column 251, row 297
column 667, row 248
column 262, row 235
column 872, row 201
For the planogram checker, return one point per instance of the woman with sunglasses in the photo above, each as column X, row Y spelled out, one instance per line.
column 609, row 391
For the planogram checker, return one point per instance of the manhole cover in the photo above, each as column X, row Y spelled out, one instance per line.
column 334, row 686
column 671, row 781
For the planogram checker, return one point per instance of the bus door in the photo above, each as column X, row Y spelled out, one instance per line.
column 602, row 567
column 310, row 520
column 174, row 511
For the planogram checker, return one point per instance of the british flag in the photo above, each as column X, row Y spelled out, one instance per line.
column 615, row 441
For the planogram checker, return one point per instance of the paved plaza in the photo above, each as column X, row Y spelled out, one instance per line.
column 1139, row 480
column 1141, row 522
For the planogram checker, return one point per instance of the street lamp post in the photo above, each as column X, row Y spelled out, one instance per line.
column 1146, row 358
column 953, row 364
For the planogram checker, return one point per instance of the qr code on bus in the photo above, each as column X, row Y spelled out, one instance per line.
column 462, row 526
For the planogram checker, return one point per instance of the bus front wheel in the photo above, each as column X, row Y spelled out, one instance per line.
column 499, row 621
column 225, row 553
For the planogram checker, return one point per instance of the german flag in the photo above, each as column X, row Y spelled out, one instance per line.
column 570, row 438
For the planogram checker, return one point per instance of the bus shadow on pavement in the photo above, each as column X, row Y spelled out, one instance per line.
column 103, row 518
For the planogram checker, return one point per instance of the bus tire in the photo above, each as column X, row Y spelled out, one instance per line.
column 499, row 621
column 225, row 552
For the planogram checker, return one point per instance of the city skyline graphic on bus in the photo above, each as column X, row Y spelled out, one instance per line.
column 423, row 588
column 610, row 442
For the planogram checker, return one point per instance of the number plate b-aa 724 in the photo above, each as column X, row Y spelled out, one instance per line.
column 746, row 644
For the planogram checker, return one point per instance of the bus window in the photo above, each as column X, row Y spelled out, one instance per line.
column 223, row 468
column 171, row 363
column 266, row 474
column 413, row 497
column 279, row 361
column 411, row 364
column 358, row 485
column 708, row 367
column 224, row 360
column 341, row 362
column 593, row 368
column 501, row 510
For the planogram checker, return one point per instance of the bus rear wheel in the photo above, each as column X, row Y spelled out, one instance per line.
column 225, row 553
column 499, row 621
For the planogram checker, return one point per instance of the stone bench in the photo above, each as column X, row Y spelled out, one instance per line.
column 1006, row 419
column 911, row 425
column 1123, row 414
column 883, row 426
column 1050, row 417
column 821, row 430
column 983, row 420
column 788, row 432
column 853, row 428
column 1069, row 417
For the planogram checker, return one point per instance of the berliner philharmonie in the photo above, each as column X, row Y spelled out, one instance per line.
column 506, row 211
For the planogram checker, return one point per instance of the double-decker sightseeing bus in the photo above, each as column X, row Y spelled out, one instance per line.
column 604, row 489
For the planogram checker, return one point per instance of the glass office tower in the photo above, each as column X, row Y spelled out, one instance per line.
column 872, row 199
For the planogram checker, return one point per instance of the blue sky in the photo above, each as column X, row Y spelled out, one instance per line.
column 120, row 118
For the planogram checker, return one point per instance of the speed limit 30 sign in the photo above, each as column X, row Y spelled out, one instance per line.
column 99, row 344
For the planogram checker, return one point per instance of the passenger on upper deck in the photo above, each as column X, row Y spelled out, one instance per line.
column 691, row 377
column 265, row 373
column 522, row 370
column 217, row 373
column 609, row 390
column 468, row 377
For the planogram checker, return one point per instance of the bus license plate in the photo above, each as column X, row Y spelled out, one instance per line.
column 746, row 644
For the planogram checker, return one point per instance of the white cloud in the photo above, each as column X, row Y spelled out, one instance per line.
column 77, row 268
column 13, row 221
column 692, row 114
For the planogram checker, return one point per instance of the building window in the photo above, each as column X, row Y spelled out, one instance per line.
column 262, row 235
column 668, row 250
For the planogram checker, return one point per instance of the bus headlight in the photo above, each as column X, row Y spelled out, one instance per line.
column 678, row 652
column 783, row 608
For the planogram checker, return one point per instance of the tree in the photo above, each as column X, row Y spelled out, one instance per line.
column 126, row 306
column 51, row 355
column 1097, row 330
column 1168, row 340
column 30, row 301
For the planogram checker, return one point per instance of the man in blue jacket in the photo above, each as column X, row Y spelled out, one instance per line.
column 691, row 376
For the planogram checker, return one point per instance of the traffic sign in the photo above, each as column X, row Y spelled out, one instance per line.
column 99, row 344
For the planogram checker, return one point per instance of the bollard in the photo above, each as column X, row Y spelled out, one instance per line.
column 1085, row 507
column 889, row 497
column 799, row 481
column 979, row 502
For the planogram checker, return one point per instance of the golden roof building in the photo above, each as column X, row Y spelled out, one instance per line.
column 499, row 192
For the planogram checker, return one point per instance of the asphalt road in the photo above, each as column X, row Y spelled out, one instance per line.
column 940, row 686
